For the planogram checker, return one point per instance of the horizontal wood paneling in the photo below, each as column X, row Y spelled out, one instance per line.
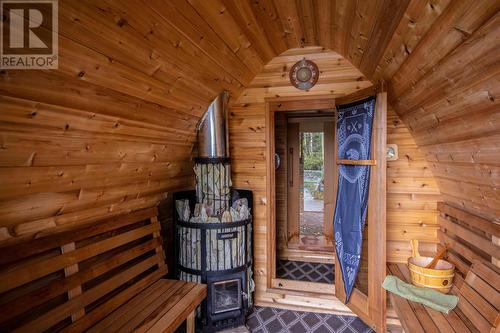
column 110, row 131
column 453, row 113
column 113, row 128
column 248, row 144
column 412, row 193
column 468, row 237
column 418, row 18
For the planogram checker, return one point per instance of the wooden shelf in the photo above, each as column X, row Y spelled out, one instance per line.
column 357, row 162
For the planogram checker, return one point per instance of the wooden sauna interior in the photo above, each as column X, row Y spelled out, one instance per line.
column 113, row 129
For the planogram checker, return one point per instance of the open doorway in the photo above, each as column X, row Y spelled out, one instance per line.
column 312, row 212
column 284, row 238
column 305, row 190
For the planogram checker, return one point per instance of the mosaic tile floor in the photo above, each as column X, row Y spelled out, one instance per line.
column 305, row 271
column 271, row 320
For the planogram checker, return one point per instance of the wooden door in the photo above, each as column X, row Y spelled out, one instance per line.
column 370, row 304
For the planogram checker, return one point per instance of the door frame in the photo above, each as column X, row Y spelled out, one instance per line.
column 286, row 104
column 370, row 308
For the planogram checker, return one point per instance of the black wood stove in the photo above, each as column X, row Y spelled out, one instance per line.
column 213, row 245
column 213, row 228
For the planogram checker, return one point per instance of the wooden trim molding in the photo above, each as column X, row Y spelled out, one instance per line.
column 324, row 103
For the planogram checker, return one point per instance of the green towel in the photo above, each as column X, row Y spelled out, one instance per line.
column 426, row 296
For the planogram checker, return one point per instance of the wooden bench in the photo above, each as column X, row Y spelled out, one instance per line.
column 477, row 309
column 102, row 278
column 471, row 247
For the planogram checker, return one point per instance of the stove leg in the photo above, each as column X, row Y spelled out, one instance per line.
column 190, row 322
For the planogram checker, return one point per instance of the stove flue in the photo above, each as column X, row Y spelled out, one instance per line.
column 213, row 228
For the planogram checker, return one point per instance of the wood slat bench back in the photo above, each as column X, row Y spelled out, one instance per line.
column 479, row 296
column 469, row 237
column 70, row 281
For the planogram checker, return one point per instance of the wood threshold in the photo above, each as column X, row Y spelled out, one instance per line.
column 311, row 248
column 325, row 257
column 303, row 286
column 320, row 247
column 337, row 309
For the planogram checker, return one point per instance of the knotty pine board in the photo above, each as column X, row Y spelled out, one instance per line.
column 159, row 63
column 452, row 112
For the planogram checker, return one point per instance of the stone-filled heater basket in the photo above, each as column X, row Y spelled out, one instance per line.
column 220, row 255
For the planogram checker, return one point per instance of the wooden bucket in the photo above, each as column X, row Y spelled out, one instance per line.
column 439, row 278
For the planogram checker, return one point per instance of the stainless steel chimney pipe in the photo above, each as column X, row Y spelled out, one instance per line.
column 213, row 133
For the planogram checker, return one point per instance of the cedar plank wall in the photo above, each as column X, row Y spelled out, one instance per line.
column 134, row 78
column 110, row 131
column 453, row 112
column 412, row 192
column 412, row 195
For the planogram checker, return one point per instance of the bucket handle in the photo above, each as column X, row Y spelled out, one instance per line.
column 414, row 248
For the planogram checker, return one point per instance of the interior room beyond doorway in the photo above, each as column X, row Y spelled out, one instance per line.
column 304, row 150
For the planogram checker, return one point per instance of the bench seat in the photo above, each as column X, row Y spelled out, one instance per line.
column 106, row 277
column 473, row 245
column 477, row 309
column 162, row 307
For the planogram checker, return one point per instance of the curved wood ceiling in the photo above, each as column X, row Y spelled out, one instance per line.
column 155, row 65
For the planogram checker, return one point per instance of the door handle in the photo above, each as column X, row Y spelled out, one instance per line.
column 290, row 169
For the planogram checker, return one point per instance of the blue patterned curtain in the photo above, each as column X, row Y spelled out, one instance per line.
column 354, row 129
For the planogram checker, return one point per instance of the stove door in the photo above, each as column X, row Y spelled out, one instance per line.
column 226, row 296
